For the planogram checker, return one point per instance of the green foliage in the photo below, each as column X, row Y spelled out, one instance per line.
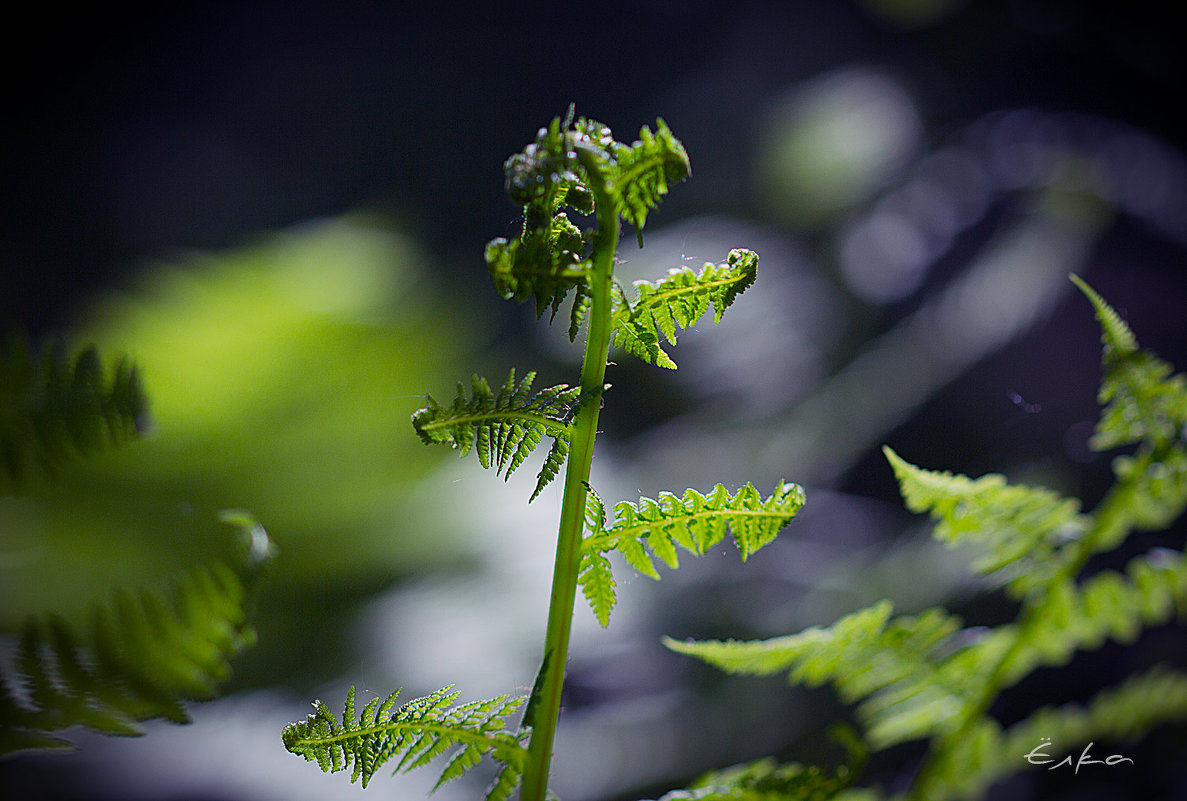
column 140, row 658
column 1108, row 606
column 768, row 780
column 693, row 521
column 680, row 299
column 764, row 780
column 987, row 751
column 416, row 732
column 1023, row 535
column 504, row 428
column 927, row 676
column 144, row 654
column 1144, row 404
column 53, row 407
column 281, row 374
column 897, row 666
column 644, row 170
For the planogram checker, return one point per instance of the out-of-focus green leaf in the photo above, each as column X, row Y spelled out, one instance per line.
column 281, row 377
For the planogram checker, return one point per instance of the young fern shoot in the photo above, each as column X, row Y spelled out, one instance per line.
column 573, row 165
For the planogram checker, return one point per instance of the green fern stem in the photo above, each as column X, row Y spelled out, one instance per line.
column 572, row 520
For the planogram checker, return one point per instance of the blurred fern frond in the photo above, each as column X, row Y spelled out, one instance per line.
column 54, row 407
column 140, row 657
column 926, row 676
column 767, row 779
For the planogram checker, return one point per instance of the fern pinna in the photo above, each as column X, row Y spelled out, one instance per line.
column 680, row 299
column 694, row 522
column 576, row 166
column 140, row 658
column 146, row 653
column 416, row 732
column 928, row 676
column 504, row 428
column 767, row 779
column 54, row 407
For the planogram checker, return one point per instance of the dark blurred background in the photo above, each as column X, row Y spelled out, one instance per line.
column 279, row 210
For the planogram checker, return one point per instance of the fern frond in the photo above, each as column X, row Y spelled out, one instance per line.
column 1122, row 713
column 549, row 257
column 54, row 407
column 1021, row 532
column 544, row 174
column 693, row 521
column 416, row 733
column 1108, row 606
column 1119, row 714
column 767, row 780
column 1144, row 402
column 643, row 172
column 679, row 300
column 504, row 428
column 905, row 669
column 917, row 674
column 145, row 655
column 1142, row 399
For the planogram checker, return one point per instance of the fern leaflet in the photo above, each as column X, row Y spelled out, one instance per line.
column 416, row 732
column 909, row 671
column 1143, row 403
column 1142, row 400
column 53, row 407
column 542, row 265
column 504, row 428
column 765, row 780
column 1123, row 713
column 1020, row 531
column 1109, row 605
column 643, row 171
column 145, row 655
column 680, row 299
column 693, row 521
